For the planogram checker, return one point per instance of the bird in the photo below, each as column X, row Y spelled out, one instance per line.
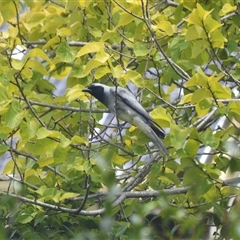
column 123, row 104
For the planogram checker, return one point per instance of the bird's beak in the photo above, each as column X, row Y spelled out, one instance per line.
column 87, row 90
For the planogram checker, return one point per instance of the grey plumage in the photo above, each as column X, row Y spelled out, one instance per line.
column 124, row 105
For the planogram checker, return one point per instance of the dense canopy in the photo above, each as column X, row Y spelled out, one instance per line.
column 70, row 170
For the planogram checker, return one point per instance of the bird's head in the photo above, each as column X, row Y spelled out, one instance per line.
column 96, row 90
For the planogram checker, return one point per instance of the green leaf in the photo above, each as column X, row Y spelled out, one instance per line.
column 33, row 20
column 194, row 176
column 43, row 133
column 204, row 106
column 120, row 159
column 60, row 70
column 3, row 148
column 117, row 71
column 79, row 140
column 59, row 155
column 78, row 69
column 14, row 115
column 125, row 18
column 234, row 107
column 170, row 178
column 64, row 142
column 198, row 47
column 44, row 85
column 24, row 218
column 121, row 230
column 17, row 64
column 5, row 98
column 212, row 171
column 51, row 42
column 178, row 136
column 140, row 49
column 68, row 195
column 37, row 66
column 208, row 139
column 192, row 147
column 231, row 45
column 177, row 46
column 45, row 160
column 64, row 53
column 42, row 146
column 200, row 94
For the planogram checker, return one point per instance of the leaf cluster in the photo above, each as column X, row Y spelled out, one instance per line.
column 70, row 177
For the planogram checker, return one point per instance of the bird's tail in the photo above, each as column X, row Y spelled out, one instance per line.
column 158, row 143
column 155, row 133
column 158, row 131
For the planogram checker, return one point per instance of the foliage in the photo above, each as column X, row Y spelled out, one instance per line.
column 69, row 181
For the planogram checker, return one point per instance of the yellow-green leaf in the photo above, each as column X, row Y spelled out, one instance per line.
column 125, row 18
column 167, row 27
column 227, row 8
column 195, row 32
column 45, row 161
column 186, row 99
column 101, row 71
column 17, row 64
column 134, row 77
column 59, row 155
column 218, row 39
column 37, row 52
column 102, row 56
column 68, row 195
column 200, row 94
column 117, row 71
column 92, row 64
column 198, row 79
column 43, row 133
column 76, row 93
column 203, row 106
column 220, row 91
column 37, row 66
column 160, row 115
column 178, row 136
column 64, row 142
column 140, row 49
column 90, row 48
column 14, row 115
column 8, row 167
column 211, row 25
column 64, row 53
column 78, row 140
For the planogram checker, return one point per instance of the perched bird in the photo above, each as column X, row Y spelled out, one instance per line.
column 124, row 105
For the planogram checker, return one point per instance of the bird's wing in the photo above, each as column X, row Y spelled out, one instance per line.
column 129, row 99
